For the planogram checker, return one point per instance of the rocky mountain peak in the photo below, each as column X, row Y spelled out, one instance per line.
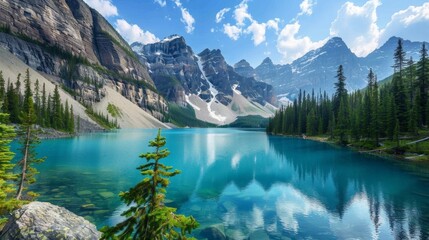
column 267, row 61
column 244, row 69
column 242, row 64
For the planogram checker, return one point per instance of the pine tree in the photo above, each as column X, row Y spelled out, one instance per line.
column 70, row 127
column 148, row 217
column 12, row 104
column 343, row 122
column 7, row 189
column 43, row 108
column 398, row 89
column 48, row 112
column 423, row 83
column 56, row 108
column 2, row 87
column 28, row 138
column 341, row 91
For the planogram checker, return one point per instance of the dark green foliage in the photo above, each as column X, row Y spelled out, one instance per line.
column 101, row 119
column 147, row 216
column 184, row 117
column 341, row 91
column 7, row 188
column 27, row 136
column 251, row 121
column 398, row 107
column 49, row 111
column 423, row 85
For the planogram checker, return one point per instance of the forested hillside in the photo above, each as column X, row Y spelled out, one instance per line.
column 397, row 109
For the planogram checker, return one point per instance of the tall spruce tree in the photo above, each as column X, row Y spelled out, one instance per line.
column 423, row 83
column 340, row 90
column 2, row 87
column 399, row 90
column 28, row 138
column 148, row 218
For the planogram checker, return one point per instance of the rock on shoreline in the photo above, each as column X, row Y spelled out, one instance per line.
column 42, row 220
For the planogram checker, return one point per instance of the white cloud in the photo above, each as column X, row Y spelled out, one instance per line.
column 104, row 7
column 408, row 24
column 220, row 14
column 133, row 33
column 306, row 7
column 212, row 30
column 187, row 18
column 293, row 47
column 178, row 3
column 161, row 3
column 232, row 31
column 258, row 31
column 274, row 24
column 357, row 25
column 241, row 13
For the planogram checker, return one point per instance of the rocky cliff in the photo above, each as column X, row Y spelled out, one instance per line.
column 203, row 81
column 225, row 79
column 78, row 48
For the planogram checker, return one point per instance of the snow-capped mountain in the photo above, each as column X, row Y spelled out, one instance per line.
column 317, row 69
column 204, row 81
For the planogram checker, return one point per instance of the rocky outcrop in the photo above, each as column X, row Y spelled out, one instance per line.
column 77, row 48
column 224, row 78
column 173, row 67
column 40, row 220
column 244, row 69
column 177, row 71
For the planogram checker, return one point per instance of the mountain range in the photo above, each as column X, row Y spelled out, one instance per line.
column 204, row 81
column 316, row 70
column 69, row 44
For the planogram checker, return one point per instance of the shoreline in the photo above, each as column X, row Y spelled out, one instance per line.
column 373, row 152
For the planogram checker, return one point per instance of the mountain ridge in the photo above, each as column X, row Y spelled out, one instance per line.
column 316, row 69
column 203, row 81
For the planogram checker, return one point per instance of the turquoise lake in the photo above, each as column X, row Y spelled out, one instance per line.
column 244, row 182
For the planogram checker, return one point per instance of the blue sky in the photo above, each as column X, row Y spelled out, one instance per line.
column 255, row 29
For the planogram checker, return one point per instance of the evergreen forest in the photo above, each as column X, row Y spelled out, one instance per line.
column 391, row 111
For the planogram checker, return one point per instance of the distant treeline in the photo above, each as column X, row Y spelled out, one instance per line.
column 396, row 108
column 49, row 110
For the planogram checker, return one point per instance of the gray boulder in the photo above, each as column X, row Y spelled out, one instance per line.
column 41, row 220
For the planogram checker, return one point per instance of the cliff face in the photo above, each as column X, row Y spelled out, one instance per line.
column 226, row 80
column 174, row 68
column 78, row 47
column 178, row 71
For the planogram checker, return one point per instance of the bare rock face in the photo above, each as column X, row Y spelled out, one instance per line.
column 45, row 33
column 174, row 68
column 41, row 220
column 177, row 71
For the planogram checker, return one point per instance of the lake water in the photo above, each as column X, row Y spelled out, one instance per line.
column 246, row 183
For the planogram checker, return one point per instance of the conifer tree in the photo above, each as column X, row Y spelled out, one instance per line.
column 423, row 84
column 7, row 189
column 341, row 91
column 12, row 104
column 2, row 87
column 56, row 109
column 398, row 89
column 149, row 218
column 28, row 138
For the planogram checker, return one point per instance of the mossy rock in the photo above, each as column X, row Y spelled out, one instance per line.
column 106, row 194
column 84, row 193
